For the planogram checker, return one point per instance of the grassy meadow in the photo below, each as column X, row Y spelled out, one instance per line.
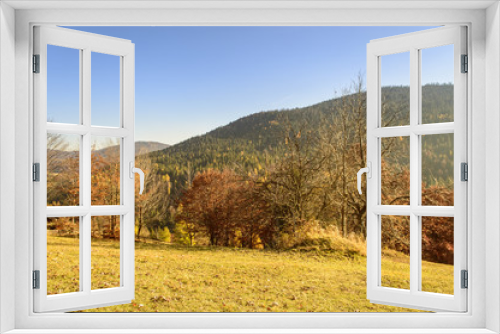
column 277, row 180
column 173, row 278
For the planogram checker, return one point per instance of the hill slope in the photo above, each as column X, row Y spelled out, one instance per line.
column 141, row 147
column 256, row 138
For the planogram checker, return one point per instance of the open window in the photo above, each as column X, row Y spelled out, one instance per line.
column 84, row 129
column 84, row 146
column 482, row 242
column 431, row 141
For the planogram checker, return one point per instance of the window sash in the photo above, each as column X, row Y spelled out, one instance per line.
column 87, row 43
column 413, row 43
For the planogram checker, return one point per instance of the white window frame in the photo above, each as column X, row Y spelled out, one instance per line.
column 86, row 44
column 413, row 43
column 483, row 102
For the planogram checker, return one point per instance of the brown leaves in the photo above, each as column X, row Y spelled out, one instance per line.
column 222, row 206
column 161, row 299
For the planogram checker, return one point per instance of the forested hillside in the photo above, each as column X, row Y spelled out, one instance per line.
column 257, row 139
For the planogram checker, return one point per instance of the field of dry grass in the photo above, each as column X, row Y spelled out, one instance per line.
column 173, row 278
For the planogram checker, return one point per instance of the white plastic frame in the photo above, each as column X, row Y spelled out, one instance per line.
column 482, row 53
column 414, row 43
column 86, row 43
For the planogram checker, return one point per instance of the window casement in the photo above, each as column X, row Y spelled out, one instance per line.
column 414, row 132
column 85, row 133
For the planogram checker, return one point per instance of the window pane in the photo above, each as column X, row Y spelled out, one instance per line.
column 106, row 170
column 437, row 254
column 395, row 168
column 395, row 80
column 437, row 170
column 395, row 271
column 63, row 255
column 63, row 85
column 105, row 90
column 437, row 84
column 105, row 248
column 63, row 170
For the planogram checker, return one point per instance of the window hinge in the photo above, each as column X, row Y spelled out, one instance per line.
column 464, row 173
column 465, row 64
column 36, row 63
column 36, row 279
column 36, row 172
column 465, row 279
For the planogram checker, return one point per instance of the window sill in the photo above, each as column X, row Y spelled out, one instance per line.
column 250, row 331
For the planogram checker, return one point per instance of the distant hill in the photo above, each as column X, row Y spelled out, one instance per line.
column 141, row 147
column 56, row 154
column 249, row 141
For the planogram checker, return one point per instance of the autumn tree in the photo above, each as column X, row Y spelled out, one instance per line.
column 154, row 208
column 289, row 186
column 63, row 186
column 223, row 206
column 343, row 144
column 105, row 186
column 207, row 205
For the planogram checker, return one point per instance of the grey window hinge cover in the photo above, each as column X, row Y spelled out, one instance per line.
column 465, row 279
column 36, row 279
column 36, row 63
column 465, row 64
column 36, row 172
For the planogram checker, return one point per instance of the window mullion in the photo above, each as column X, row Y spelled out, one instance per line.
column 414, row 171
column 86, row 175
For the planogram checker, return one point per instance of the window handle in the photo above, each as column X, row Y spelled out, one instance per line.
column 368, row 171
column 139, row 171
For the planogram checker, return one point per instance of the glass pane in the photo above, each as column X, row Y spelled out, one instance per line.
column 105, row 90
column 437, row 170
column 395, row 168
column 395, row 81
column 105, row 259
column 437, row 254
column 106, row 170
column 437, row 84
column 63, row 170
column 395, row 271
column 63, row 85
column 63, row 255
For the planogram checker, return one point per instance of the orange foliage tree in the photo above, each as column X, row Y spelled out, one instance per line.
column 223, row 206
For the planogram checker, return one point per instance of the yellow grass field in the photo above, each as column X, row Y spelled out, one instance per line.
column 172, row 278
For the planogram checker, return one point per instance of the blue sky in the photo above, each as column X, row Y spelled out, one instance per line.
column 190, row 80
